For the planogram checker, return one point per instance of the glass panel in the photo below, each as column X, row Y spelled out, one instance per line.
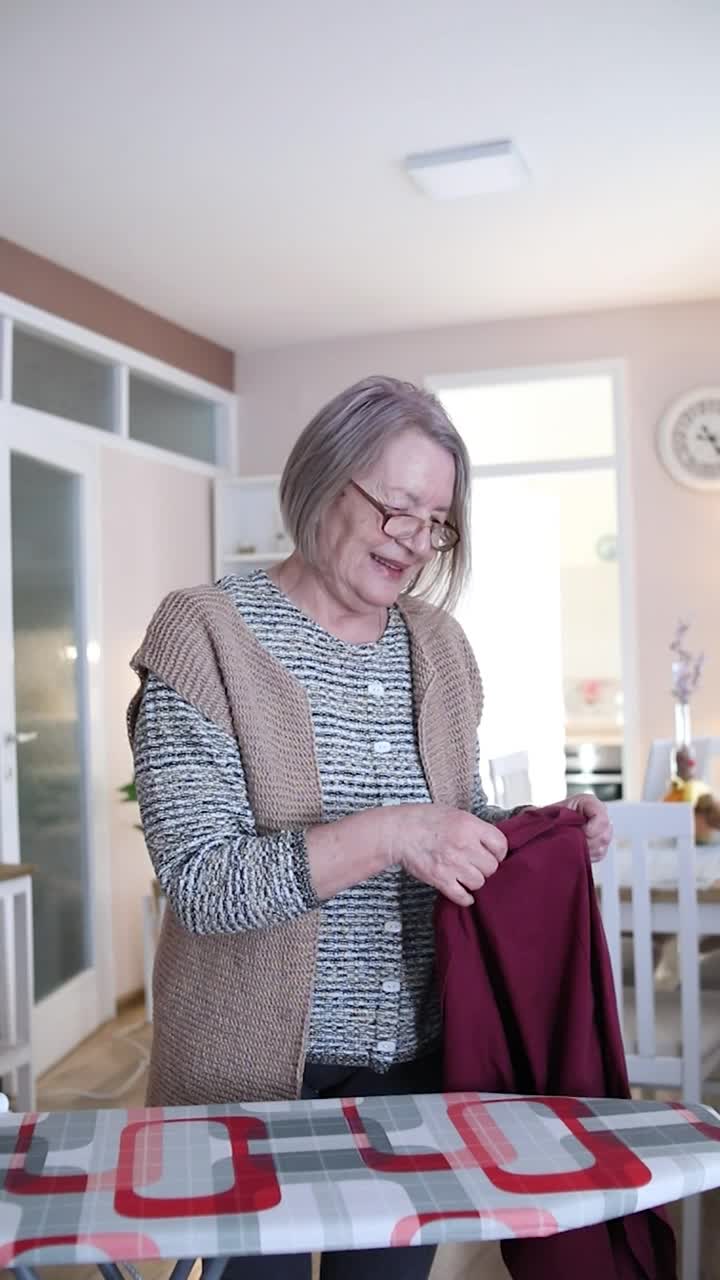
column 51, row 773
column 535, row 421
column 58, row 379
column 172, row 420
column 583, row 504
column 545, row 545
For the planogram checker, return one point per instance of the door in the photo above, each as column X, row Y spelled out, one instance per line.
column 549, row 443
column 50, row 723
column 512, row 614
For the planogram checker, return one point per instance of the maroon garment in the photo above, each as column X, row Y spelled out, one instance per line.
column 529, row 1007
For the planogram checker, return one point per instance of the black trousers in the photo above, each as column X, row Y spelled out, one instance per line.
column 413, row 1263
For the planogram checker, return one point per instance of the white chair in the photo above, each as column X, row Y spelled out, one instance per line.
column 17, row 1071
column 4, row 1104
column 510, row 777
column 666, row 1043
column 659, row 764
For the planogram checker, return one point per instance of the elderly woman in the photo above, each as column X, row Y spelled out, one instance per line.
column 305, row 748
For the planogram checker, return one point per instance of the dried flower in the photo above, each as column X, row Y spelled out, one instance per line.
column 686, row 670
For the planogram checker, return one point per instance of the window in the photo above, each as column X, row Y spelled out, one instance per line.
column 543, row 611
column 59, row 379
column 54, row 367
column 173, row 420
column 534, row 421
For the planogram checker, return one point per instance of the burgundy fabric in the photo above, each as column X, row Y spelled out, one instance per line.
column 529, row 1008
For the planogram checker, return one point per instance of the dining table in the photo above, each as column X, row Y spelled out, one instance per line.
column 112, row 1186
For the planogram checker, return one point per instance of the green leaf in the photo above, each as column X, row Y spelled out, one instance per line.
column 129, row 792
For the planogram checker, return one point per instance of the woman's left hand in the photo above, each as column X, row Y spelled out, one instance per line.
column 598, row 828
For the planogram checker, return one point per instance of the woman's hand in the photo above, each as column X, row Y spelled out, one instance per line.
column 598, row 828
column 446, row 848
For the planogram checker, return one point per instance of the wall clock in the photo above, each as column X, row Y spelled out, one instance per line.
column 689, row 439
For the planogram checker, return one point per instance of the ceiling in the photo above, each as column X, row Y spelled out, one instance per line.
column 236, row 165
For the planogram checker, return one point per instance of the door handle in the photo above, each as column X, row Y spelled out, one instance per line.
column 19, row 739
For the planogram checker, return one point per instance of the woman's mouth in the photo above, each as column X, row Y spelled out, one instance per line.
column 392, row 568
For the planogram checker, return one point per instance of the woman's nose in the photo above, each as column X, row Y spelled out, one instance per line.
column 420, row 542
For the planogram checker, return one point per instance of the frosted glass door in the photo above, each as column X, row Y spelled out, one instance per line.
column 53, row 792
column 49, row 712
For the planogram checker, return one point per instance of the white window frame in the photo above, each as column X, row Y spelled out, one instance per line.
column 619, row 461
column 124, row 361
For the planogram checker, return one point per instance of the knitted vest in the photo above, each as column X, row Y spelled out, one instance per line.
column 230, row 1012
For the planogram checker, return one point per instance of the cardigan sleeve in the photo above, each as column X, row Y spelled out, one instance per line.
column 218, row 874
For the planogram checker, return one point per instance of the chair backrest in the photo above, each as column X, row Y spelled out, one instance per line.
column 646, row 834
column 659, row 764
column 711, row 773
column 4, row 1104
column 510, row 777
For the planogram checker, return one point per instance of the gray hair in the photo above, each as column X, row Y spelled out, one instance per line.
column 345, row 437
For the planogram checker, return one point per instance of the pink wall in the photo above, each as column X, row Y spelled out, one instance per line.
column 156, row 536
column 667, row 350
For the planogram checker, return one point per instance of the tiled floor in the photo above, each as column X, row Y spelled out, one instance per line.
column 112, row 1064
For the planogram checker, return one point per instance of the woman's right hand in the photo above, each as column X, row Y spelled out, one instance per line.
column 447, row 848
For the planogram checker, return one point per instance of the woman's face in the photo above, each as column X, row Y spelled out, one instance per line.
column 361, row 565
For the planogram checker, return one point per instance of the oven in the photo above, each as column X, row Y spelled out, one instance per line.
column 596, row 767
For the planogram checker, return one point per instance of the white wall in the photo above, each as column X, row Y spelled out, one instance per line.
column 156, row 522
column 667, row 351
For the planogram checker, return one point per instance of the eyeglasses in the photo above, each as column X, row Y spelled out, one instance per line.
column 401, row 525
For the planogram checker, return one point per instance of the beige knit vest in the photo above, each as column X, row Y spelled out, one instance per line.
column 231, row 1011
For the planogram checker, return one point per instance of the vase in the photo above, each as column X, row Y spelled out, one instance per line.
column 683, row 726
